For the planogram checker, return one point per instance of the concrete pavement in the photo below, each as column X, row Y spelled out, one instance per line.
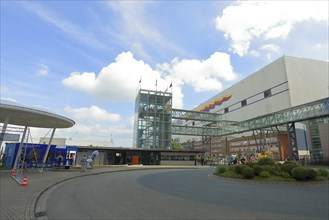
column 18, row 202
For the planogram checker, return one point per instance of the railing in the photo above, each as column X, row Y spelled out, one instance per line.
column 313, row 110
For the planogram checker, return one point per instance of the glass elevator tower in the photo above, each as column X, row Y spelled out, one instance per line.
column 152, row 123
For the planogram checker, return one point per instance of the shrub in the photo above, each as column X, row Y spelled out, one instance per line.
column 322, row 172
column 238, row 168
column 299, row 173
column 277, row 169
column 311, row 173
column 221, row 169
column 264, row 174
column 248, row 172
column 268, row 168
column 287, row 167
column 251, row 164
column 231, row 168
column 289, row 162
column 284, row 174
column 266, row 161
column 257, row 169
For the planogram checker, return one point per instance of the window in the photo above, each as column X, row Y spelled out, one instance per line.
column 243, row 103
column 267, row 93
column 226, row 110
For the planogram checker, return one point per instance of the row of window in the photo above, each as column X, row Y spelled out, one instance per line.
column 267, row 93
column 178, row 157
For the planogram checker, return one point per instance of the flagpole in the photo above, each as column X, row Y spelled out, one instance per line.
column 140, row 83
column 156, row 85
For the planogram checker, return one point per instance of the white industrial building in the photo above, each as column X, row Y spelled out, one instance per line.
column 287, row 82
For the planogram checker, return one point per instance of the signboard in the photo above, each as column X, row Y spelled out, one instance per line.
column 9, row 137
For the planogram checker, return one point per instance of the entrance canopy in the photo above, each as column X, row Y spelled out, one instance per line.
column 17, row 114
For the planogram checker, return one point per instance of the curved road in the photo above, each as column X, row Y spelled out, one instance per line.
column 183, row 194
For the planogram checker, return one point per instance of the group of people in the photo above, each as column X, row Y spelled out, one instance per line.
column 234, row 160
column 86, row 163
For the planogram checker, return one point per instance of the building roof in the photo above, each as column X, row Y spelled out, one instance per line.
column 32, row 117
column 141, row 149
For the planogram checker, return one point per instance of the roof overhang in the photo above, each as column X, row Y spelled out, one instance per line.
column 32, row 117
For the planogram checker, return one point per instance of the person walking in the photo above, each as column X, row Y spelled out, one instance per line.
column 83, row 163
column 89, row 164
column 59, row 159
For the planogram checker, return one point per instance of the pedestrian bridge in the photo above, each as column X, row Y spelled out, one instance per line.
column 218, row 127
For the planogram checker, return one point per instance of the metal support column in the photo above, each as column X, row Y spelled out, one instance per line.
column 3, row 132
column 258, row 147
column 293, row 148
column 20, row 148
column 48, row 147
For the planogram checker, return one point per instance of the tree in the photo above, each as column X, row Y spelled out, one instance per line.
column 176, row 146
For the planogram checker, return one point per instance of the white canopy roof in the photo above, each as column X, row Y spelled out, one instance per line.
column 32, row 117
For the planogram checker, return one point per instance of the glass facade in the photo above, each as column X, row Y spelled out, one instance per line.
column 152, row 123
column 317, row 151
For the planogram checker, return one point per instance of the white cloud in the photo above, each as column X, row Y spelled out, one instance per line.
column 271, row 50
column 43, row 70
column 134, row 28
column 204, row 75
column 95, row 123
column 82, row 34
column 93, row 114
column 270, row 47
column 86, row 131
column 245, row 21
column 8, row 100
column 254, row 53
column 119, row 80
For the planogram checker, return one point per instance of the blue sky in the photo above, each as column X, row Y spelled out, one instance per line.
column 83, row 59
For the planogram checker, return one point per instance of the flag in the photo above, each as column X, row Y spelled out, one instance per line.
column 156, row 82
column 170, row 85
column 140, row 80
column 94, row 154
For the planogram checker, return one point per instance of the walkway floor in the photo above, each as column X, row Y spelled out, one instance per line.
column 18, row 202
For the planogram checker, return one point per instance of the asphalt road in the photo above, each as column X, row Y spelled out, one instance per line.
column 183, row 194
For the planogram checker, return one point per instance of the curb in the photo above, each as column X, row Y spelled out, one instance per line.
column 314, row 183
column 37, row 210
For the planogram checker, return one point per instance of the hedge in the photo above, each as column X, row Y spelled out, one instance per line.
column 311, row 173
column 288, row 167
column 238, row 168
column 266, row 161
column 299, row 173
column 322, row 172
column 248, row 172
column 264, row 174
column 221, row 169
column 284, row 174
column 257, row 169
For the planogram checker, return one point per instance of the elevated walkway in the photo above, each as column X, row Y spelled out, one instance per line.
column 312, row 110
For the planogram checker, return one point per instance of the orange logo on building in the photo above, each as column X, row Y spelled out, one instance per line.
column 215, row 103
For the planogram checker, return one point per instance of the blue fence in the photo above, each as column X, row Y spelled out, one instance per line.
column 34, row 154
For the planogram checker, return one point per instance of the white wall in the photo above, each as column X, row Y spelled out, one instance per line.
column 293, row 81
column 272, row 76
column 308, row 80
column 324, row 138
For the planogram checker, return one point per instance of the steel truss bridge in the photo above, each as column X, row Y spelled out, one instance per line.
column 218, row 127
column 214, row 126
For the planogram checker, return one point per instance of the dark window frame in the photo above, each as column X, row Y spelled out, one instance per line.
column 243, row 102
column 267, row 93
